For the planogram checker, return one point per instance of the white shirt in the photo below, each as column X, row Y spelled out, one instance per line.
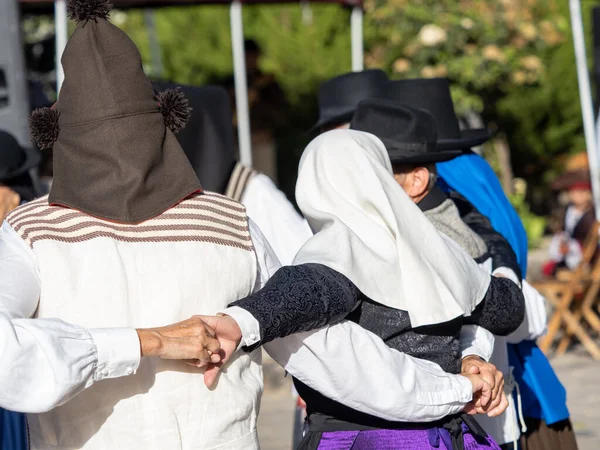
column 269, row 208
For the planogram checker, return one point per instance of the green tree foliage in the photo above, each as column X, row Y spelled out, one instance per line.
column 509, row 60
column 302, row 46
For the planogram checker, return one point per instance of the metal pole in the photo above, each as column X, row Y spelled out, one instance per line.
column 585, row 96
column 14, row 101
column 61, row 30
column 356, row 27
column 155, row 53
column 241, row 83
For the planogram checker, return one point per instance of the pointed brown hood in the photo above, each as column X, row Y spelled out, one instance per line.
column 114, row 157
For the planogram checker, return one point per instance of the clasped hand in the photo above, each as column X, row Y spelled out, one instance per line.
column 201, row 341
column 488, row 387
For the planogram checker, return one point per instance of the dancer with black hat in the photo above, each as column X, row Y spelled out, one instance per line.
column 414, row 170
column 544, row 399
column 375, row 254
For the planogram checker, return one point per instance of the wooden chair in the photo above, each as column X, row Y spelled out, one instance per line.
column 574, row 298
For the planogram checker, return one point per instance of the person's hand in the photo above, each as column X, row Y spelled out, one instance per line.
column 191, row 339
column 229, row 334
column 475, row 365
column 9, row 200
column 482, row 395
column 475, row 407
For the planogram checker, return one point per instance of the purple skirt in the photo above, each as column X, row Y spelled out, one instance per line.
column 418, row 439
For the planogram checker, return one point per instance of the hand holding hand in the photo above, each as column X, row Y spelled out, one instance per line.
column 190, row 339
column 229, row 334
column 482, row 393
column 497, row 402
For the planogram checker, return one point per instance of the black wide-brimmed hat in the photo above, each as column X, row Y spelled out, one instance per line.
column 409, row 134
column 433, row 95
column 339, row 97
column 14, row 159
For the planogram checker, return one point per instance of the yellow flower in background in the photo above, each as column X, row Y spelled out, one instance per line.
column 519, row 77
column 432, row 35
column 493, row 53
column 428, row 72
column 467, row 23
column 528, row 31
column 402, row 65
column 532, row 63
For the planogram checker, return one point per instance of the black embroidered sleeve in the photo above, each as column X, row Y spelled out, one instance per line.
column 300, row 298
column 499, row 248
column 502, row 310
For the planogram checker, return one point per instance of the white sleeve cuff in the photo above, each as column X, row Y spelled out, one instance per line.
column 464, row 388
column 247, row 323
column 118, row 350
column 475, row 340
column 507, row 273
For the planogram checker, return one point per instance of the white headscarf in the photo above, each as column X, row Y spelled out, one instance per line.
column 367, row 228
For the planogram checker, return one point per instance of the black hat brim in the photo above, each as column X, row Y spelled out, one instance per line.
column 426, row 158
column 330, row 120
column 398, row 154
column 468, row 139
column 32, row 159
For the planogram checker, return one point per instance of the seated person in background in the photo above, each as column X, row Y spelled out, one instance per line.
column 574, row 224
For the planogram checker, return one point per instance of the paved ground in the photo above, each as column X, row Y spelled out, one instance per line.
column 275, row 423
column 579, row 373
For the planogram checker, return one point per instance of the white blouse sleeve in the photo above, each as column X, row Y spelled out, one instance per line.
column 45, row 362
column 535, row 323
column 384, row 382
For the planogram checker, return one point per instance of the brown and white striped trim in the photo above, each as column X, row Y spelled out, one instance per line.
column 239, row 181
column 208, row 217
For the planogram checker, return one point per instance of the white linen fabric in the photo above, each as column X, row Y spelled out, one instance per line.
column 269, row 208
column 535, row 324
column 45, row 362
column 368, row 229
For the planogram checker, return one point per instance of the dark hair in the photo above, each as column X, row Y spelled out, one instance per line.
column 251, row 46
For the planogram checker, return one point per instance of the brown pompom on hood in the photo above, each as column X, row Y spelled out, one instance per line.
column 115, row 158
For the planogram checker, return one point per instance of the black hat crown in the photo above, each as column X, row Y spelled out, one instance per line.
column 339, row 97
column 433, row 95
column 409, row 134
